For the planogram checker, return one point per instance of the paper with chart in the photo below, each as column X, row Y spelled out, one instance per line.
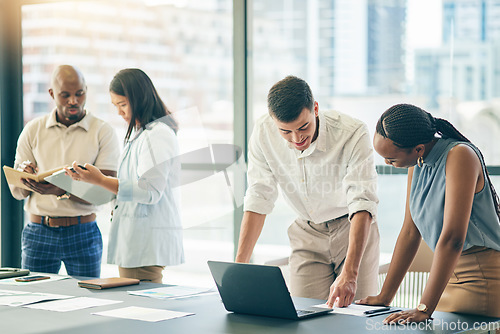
column 89, row 192
column 172, row 292
column 72, row 304
column 28, row 298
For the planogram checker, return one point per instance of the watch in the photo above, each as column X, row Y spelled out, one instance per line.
column 422, row 308
column 63, row 196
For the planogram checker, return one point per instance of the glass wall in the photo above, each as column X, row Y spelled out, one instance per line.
column 361, row 57
column 186, row 49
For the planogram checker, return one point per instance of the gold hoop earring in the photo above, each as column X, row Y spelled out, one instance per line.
column 420, row 162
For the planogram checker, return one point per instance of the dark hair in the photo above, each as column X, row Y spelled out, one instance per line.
column 145, row 103
column 288, row 97
column 408, row 126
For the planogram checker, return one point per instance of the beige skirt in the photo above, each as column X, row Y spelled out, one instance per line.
column 152, row 274
column 474, row 286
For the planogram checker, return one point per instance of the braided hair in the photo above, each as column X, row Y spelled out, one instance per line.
column 408, row 126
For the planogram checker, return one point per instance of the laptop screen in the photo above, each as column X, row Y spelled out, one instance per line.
column 253, row 289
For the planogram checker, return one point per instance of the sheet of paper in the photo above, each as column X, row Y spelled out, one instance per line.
column 29, row 298
column 353, row 309
column 12, row 292
column 72, row 304
column 143, row 314
column 53, row 277
column 172, row 292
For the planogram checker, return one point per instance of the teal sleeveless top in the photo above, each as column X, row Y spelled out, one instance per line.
column 427, row 201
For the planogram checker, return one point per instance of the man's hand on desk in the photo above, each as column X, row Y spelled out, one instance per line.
column 342, row 291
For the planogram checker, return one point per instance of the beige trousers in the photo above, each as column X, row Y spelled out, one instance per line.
column 148, row 273
column 318, row 254
column 474, row 286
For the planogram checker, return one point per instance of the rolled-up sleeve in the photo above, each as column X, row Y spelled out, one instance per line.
column 262, row 188
column 360, row 181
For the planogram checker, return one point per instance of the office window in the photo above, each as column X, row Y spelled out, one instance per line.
column 361, row 57
column 353, row 59
column 186, row 49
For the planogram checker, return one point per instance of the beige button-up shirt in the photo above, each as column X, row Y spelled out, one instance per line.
column 50, row 144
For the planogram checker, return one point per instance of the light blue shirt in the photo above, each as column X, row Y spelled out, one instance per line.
column 146, row 226
column 427, row 198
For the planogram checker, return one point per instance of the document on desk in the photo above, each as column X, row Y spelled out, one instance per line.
column 12, row 293
column 72, row 304
column 361, row 310
column 143, row 314
column 173, row 292
column 29, row 298
column 53, row 277
column 89, row 192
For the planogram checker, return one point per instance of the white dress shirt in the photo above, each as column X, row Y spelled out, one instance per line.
column 334, row 176
column 146, row 227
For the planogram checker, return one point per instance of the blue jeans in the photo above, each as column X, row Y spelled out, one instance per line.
column 78, row 246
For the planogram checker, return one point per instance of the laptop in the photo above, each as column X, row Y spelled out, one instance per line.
column 257, row 290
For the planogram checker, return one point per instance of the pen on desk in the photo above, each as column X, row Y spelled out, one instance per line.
column 379, row 310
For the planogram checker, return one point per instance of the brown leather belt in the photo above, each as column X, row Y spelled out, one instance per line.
column 62, row 221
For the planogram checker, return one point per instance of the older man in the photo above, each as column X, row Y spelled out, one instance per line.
column 63, row 227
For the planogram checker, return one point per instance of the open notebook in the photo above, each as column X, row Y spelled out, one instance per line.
column 14, row 176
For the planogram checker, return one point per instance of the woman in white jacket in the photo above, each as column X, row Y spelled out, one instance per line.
column 146, row 231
